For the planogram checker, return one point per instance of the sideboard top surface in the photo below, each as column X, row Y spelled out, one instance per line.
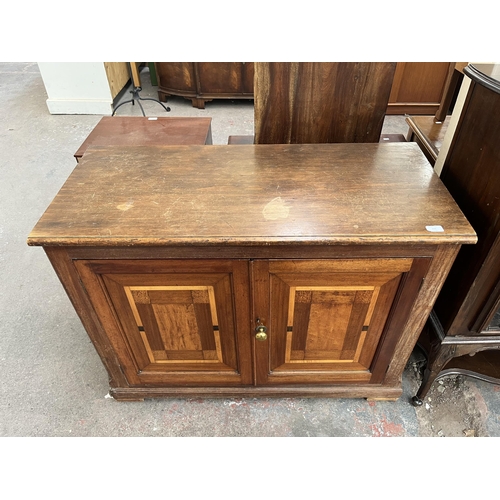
column 252, row 194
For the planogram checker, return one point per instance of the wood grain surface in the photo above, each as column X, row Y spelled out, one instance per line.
column 252, row 194
column 428, row 133
column 147, row 131
column 321, row 102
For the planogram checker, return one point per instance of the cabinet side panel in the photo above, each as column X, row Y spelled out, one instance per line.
column 411, row 283
column 422, row 306
column 65, row 270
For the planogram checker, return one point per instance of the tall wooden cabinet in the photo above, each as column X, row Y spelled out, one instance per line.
column 256, row 270
column 464, row 330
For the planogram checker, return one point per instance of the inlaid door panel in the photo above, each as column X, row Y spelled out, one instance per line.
column 326, row 319
column 178, row 321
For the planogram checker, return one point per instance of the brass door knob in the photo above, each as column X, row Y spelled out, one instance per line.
column 261, row 333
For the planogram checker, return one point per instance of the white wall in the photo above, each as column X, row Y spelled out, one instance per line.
column 77, row 88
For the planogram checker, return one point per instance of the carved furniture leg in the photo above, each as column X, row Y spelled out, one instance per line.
column 162, row 96
column 438, row 357
column 199, row 102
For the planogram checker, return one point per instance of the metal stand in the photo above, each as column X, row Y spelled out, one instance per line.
column 138, row 98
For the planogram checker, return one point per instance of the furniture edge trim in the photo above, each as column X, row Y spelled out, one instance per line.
column 97, row 241
column 484, row 80
column 344, row 391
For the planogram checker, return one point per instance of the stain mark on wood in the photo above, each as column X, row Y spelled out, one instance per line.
column 276, row 209
column 125, row 206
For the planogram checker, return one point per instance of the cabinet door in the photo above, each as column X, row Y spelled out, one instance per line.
column 228, row 78
column 331, row 321
column 177, row 76
column 174, row 322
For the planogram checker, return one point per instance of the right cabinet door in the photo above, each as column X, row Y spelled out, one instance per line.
column 331, row 321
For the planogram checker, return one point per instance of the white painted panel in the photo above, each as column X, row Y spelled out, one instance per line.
column 77, row 88
column 79, row 107
column 452, row 126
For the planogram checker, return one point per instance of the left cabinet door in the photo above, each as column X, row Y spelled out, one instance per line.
column 174, row 322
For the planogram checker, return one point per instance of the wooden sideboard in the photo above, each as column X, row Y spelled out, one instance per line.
column 204, row 81
column 466, row 318
column 258, row 270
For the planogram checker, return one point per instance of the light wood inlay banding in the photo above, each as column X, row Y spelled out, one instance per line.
column 328, row 323
column 175, row 316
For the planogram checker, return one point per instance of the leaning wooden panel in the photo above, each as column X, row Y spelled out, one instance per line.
column 301, row 103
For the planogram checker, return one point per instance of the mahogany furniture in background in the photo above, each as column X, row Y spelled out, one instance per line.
column 418, row 88
column 428, row 134
column 466, row 317
column 204, row 81
column 429, row 131
column 299, row 103
column 271, row 270
column 143, row 131
column 451, row 86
